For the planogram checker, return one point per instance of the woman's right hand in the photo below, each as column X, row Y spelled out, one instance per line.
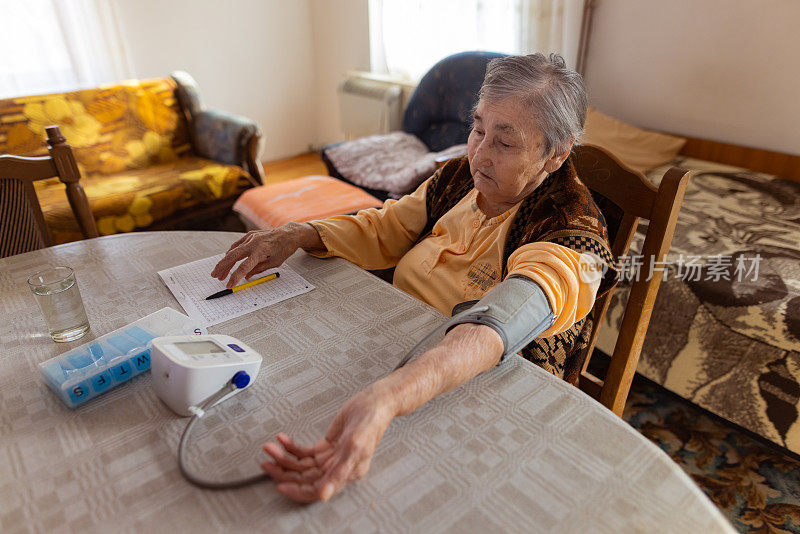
column 264, row 249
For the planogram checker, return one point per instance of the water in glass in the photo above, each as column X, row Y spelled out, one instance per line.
column 57, row 293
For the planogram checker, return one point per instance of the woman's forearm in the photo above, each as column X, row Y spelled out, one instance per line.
column 466, row 351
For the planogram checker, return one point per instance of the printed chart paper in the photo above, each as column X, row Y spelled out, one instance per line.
column 191, row 283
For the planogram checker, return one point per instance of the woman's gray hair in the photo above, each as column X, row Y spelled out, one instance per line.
column 554, row 93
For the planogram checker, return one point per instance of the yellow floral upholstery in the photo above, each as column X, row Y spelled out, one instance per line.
column 132, row 145
column 137, row 198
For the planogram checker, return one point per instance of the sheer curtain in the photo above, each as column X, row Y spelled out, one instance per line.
column 59, row 45
column 407, row 37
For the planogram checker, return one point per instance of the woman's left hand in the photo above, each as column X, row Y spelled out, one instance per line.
column 315, row 473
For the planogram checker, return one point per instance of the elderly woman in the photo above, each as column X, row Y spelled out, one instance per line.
column 511, row 217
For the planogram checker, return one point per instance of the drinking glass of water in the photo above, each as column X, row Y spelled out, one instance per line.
column 57, row 292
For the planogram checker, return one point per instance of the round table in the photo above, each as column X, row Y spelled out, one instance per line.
column 515, row 449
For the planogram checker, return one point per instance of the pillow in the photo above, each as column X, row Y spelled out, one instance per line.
column 303, row 199
column 396, row 162
column 641, row 150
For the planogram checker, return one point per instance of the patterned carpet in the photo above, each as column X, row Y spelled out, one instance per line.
column 755, row 484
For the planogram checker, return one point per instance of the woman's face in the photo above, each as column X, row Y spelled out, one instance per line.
column 505, row 152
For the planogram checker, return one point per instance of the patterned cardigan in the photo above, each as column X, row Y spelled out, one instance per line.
column 562, row 211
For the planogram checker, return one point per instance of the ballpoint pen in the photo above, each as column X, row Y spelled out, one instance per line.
column 251, row 283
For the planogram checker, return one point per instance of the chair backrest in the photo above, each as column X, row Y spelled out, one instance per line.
column 625, row 196
column 439, row 111
column 22, row 224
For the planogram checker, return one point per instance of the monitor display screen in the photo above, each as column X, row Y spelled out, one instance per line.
column 199, row 347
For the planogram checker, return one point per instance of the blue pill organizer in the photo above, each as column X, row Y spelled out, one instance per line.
column 99, row 365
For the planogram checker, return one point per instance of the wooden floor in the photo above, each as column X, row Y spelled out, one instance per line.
column 295, row 167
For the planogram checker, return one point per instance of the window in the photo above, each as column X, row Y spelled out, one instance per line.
column 59, row 45
column 407, row 37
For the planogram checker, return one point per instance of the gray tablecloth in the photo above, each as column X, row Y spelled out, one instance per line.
column 514, row 449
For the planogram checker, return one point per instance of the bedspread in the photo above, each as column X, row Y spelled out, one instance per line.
column 725, row 330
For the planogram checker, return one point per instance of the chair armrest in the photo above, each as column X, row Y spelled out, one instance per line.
column 188, row 94
column 228, row 138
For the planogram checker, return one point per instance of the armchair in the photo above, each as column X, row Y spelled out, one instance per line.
column 439, row 111
column 438, row 116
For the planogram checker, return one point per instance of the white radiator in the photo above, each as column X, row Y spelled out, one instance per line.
column 369, row 107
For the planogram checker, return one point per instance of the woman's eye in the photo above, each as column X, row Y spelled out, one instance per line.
column 477, row 132
column 504, row 145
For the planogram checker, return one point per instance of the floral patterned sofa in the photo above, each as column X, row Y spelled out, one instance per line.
column 150, row 155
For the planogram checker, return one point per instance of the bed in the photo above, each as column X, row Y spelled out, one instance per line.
column 727, row 339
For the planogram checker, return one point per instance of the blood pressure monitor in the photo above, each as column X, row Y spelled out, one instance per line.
column 189, row 369
column 191, row 374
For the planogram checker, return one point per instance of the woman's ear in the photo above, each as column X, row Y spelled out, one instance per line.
column 555, row 161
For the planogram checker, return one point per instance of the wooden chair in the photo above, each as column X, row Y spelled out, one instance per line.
column 625, row 196
column 22, row 225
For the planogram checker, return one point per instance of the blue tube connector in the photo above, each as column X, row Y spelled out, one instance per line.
column 240, row 379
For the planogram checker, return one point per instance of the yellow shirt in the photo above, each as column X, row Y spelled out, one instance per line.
column 460, row 260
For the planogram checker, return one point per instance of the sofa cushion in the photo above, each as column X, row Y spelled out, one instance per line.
column 396, row 162
column 136, row 199
column 111, row 128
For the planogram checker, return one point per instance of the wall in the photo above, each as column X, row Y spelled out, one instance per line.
column 726, row 70
column 250, row 57
column 718, row 69
column 341, row 43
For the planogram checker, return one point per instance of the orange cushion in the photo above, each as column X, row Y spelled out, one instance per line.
column 300, row 200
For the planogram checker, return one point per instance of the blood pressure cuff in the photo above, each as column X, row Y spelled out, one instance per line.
column 518, row 310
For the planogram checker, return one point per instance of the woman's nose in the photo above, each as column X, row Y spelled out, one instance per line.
column 482, row 155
